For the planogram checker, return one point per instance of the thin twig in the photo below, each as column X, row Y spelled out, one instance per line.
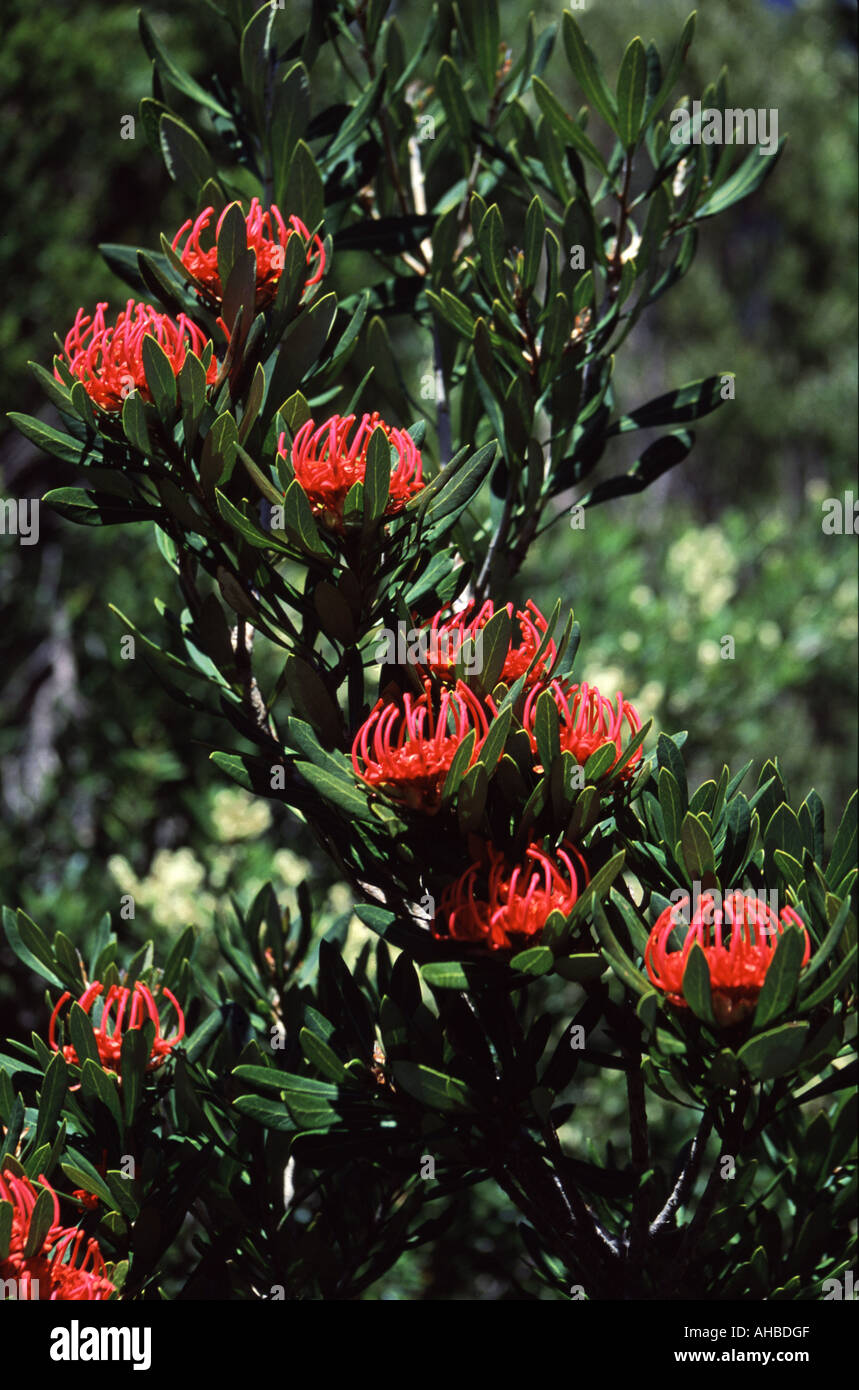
column 688, row 1174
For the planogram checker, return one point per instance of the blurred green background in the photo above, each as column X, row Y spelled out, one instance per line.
column 106, row 787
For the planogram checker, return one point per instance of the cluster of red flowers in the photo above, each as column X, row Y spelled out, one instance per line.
column 494, row 901
column 267, row 236
column 109, row 1040
column 450, row 631
column 413, row 747
column 738, row 939
column 407, row 749
column 588, row 721
column 327, row 464
column 108, row 359
column 65, row 1266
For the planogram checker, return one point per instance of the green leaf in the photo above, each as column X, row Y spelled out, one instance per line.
column 630, row 93
column 697, row 849
column 45, row 437
column 495, row 637
column 783, row 832
column 52, row 1095
column 781, row 978
column 357, row 121
column 535, row 234
column 774, row 1053
column 495, row 740
column 568, row 129
column 305, row 194
column 833, row 982
column 696, row 985
column 242, row 524
column 481, row 25
column 656, row 459
column 290, row 113
column 299, row 522
column 445, row 974
column 547, row 729
column 100, row 1085
column 536, row 960
column 581, row 968
column 458, row 487
column 176, row 75
column 448, row 83
column 826, row 947
column 268, row 1113
column 41, row 1221
column 188, row 161
column 755, row 168
column 843, row 856
column 312, row 700
column 134, row 1054
column 600, row 762
column 433, row 1088
column 490, row 241
column 336, row 791
column 668, row 755
column 134, row 424
column 669, row 801
column 160, row 378
column 587, row 72
column 458, row 766
column 232, row 241
column 30, row 945
column 616, row 956
column 321, row 1056
column 377, row 476
column 686, row 403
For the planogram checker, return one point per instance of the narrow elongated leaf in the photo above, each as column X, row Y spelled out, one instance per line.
column 587, row 72
column 631, row 83
column 781, row 978
column 696, row 985
column 433, row 1088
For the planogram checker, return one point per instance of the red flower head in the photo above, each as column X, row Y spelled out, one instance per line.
column 327, row 467
column 413, row 748
column 447, row 635
column 23, row 1196
column 588, row 720
column 76, row 1277
column 745, row 932
column 109, row 361
column 55, row 1270
column 490, row 903
column 109, row 1043
column 267, row 235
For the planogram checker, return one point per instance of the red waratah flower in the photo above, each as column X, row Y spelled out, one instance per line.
column 267, row 235
column 447, row 635
column 109, row 361
column 587, row 721
column 744, row 938
column 56, row 1270
column 327, row 466
column 109, row 1042
column 413, row 747
column 494, row 901
column 20, row 1191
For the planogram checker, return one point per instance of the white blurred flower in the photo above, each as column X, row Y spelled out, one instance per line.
column 769, row 635
column 236, row 815
column 641, row 595
column 708, row 652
